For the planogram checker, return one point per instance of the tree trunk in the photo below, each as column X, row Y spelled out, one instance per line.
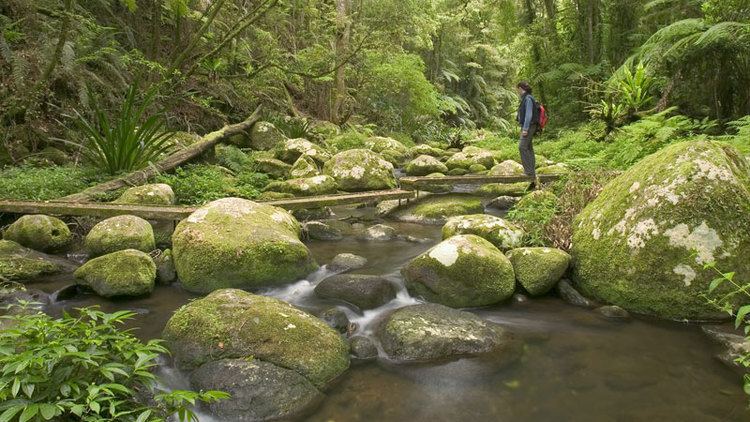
column 343, row 36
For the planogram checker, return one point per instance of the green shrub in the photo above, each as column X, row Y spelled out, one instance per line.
column 349, row 139
column 533, row 212
column 85, row 368
column 196, row 184
column 233, row 158
column 45, row 183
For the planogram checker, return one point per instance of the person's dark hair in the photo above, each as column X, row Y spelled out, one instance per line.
column 524, row 86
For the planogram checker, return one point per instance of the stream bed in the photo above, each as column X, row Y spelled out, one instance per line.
column 576, row 366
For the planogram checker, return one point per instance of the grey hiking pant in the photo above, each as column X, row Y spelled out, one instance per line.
column 526, row 148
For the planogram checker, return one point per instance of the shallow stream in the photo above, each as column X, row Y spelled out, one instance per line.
column 577, row 365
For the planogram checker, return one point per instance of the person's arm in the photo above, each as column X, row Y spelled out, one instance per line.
column 529, row 105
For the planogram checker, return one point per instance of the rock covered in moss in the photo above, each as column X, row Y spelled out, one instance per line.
column 392, row 150
column 273, row 167
column 123, row 273
column 360, row 170
column 232, row 323
column 265, row 136
column 559, row 168
column 234, row 242
column 39, row 232
column 290, row 150
column 153, row 194
column 477, row 169
column 466, row 159
column 18, row 263
column 119, row 233
column 362, row 291
column 500, row 232
column 503, row 189
column 458, row 171
column 308, row 186
column 424, row 165
column 507, row 168
column 431, row 331
column 258, row 390
column 165, row 270
column 642, row 243
column 538, row 269
column 273, row 196
column 435, row 209
column 304, row 167
column 424, row 149
column 462, row 271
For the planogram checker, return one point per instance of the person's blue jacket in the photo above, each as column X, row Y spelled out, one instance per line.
column 525, row 112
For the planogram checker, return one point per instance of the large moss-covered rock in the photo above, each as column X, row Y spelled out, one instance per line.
column 392, row 150
column 507, row 168
column 18, row 263
column 273, row 167
column 502, row 189
column 559, row 168
column 265, row 136
column 119, row 233
column 154, row 194
column 290, row 150
column 122, row 273
column 424, row 165
column 462, row 271
column 538, row 269
column 435, row 209
column 465, row 160
column 642, row 243
column 360, row 170
column 424, row 149
column 39, row 232
column 501, row 233
column 308, row 186
column 304, row 167
column 232, row 323
column 234, row 242
column 258, row 390
column 430, row 331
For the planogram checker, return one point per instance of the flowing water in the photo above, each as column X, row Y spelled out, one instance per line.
column 576, row 366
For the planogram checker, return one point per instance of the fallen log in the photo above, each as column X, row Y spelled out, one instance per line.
column 414, row 182
column 142, row 176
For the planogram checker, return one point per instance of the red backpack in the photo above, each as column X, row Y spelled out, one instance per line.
column 542, row 116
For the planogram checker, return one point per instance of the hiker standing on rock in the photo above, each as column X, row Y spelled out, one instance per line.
column 528, row 118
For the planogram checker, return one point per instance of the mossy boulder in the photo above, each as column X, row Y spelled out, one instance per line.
column 458, row 172
column 435, row 209
column 39, row 232
column 290, row 150
column 231, row 323
column 559, row 168
column 643, row 242
column 272, row 167
column 465, row 160
column 392, row 150
column 507, row 168
column 18, row 263
column 154, row 194
column 234, row 242
column 165, row 270
column 55, row 155
column 502, row 189
column 538, row 269
column 424, row 165
column 122, row 273
column 431, row 332
column 273, row 196
column 265, row 136
column 362, row 291
column 462, row 271
column 308, row 186
column 304, row 167
column 120, row 233
column 424, row 149
column 500, row 232
column 477, row 169
column 360, row 170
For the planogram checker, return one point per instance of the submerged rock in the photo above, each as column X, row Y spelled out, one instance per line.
column 431, row 331
column 501, row 233
column 569, row 294
column 234, row 242
column 435, row 209
column 153, row 194
column 363, row 348
column 259, row 390
column 120, row 233
column 735, row 346
column 18, row 263
column 309, row 186
column 643, row 242
column 346, row 262
column 122, row 273
column 360, row 170
column 39, row 232
column 424, row 165
column 462, row 271
column 232, row 323
column 304, row 167
column 336, row 319
column 362, row 291
column 613, row 312
column 265, row 136
column 538, row 269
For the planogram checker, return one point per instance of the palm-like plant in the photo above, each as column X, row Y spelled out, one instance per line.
column 128, row 141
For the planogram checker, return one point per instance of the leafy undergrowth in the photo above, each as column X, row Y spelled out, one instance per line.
column 196, row 184
column 44, row 183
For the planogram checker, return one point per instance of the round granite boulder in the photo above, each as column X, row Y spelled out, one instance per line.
column 538, row 269
column 360, row 170
column 154, row 194
column 39, row 232
column 362, row 291
column 424, row 165
column 123, row 273
column 308, row 186
column 120, row 233
column 501, row 233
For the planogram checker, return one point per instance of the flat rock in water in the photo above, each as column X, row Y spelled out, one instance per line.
column 346, row 262
column 319, row 230
column 362, row 291
column 613, row 312
column 18, row 263
column 431, row 331
column 363, row 348
column 259, row 390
